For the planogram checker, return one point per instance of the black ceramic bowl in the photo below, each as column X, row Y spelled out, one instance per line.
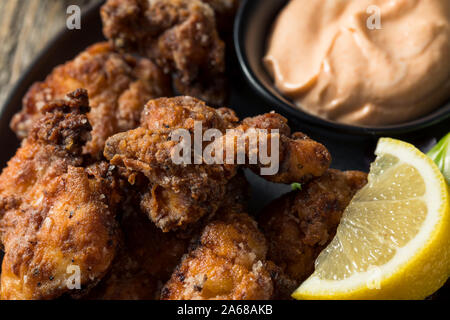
column 253, row 25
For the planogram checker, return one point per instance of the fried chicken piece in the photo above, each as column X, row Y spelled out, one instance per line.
column 228, row 263
column 179, row 35
column 56, row 217
column 167, row 115
column 177, row 194
column 118, row 86
column 180, row 193
column 299, row 225
column 300, row 158
column 228, row 260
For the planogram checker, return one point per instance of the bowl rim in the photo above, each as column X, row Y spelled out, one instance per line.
column 239, row 35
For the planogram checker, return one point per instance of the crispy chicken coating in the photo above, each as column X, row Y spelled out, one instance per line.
column 180, row 194
column 179, row 35
column 300, row 158
column 56, row 217
column 176, row 194
column 181, row 113
column 228, row 263
column 118, row 87
column 299, row 225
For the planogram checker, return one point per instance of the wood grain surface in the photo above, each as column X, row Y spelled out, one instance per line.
column 26, row 26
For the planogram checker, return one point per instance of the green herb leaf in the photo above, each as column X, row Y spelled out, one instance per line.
column 440, row 154
column 296, row 186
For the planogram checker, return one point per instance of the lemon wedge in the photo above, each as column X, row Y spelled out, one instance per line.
column 393, row 241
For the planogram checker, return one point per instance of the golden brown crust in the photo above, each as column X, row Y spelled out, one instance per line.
column 299, row 225
column 227, row 263
column 300, row 158
column 54, row 213
column 181, row 112
column 177, row 195
column 179, row 35
column 118, row 87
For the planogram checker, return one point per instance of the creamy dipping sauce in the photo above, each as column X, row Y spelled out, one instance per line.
column 324, row 57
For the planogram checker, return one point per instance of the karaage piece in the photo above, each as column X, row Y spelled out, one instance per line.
column 228, row 259
column 181, row 193
column 56, row 217
column 118, row 87
column 179, row 35
column 177, row 194
column 228, row 263
column 299, row 225
column 299, row 158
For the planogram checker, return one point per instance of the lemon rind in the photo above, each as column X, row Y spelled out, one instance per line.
column 431, row 244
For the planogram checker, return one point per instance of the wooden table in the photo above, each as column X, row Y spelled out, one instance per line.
column 26, row 26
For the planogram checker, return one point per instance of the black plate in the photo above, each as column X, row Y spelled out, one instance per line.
column 350, row 152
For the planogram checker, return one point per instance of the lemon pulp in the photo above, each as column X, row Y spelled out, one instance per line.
column 395, row 230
